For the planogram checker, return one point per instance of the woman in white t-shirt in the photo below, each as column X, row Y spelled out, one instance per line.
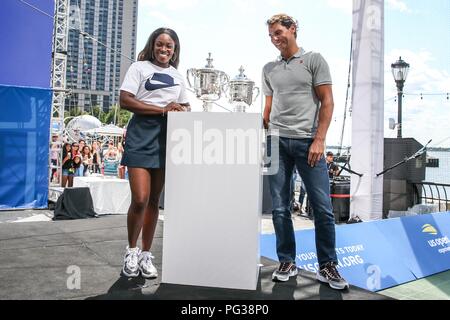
column 151, row 88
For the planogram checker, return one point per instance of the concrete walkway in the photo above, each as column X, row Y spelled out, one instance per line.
column 82, row 259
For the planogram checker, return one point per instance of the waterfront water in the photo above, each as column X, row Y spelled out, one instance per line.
column 436, row 175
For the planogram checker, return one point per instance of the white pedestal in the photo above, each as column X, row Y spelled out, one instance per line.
column 212, row 213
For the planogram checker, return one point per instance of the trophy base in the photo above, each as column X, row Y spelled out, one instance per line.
column 240, row 107
column 207, row 106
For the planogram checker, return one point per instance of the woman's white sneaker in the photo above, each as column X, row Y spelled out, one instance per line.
column 130, row 262
column 146, row 266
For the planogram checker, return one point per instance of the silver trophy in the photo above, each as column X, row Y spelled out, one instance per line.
column 240, row 91
column 209, row 83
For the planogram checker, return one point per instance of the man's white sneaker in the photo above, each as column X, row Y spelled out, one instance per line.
column 329, row 274
column 285, row 271
column 130, row 262
column 146, row 266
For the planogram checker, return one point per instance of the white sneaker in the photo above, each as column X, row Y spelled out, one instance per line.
column 130, row 262
column 329, row 274
column 285, row 271
column 146, row 266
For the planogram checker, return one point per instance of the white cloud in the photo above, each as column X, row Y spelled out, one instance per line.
column 422, row 119
column 339, row 74
column 425, row 118
column 162, row 17
column 170, row 5
column 274, row 3
column 398, row 5
column 346, row 6
column 243, row 6
column 422, row 77
column 250, row 6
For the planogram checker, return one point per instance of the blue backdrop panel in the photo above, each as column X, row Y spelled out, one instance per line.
column 443, row 221
column 423, row 241
column 26, row 36
column 24, row 151
column 380, row 254
column 365, row 257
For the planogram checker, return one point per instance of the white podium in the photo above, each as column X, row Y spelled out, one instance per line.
column 212, row 213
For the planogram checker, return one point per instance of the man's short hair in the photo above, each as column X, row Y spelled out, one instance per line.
column 284, row 20
column 329, row 153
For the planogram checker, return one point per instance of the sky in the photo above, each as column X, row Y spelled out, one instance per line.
column 234, row 31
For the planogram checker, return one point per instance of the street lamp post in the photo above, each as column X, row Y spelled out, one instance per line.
column 400, row 71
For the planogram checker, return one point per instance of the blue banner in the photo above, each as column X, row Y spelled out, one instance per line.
column 24, row 147
column 26, row 34
column 379, row 254
column 422, row 241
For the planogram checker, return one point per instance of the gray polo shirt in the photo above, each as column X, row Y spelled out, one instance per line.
column 295, row 105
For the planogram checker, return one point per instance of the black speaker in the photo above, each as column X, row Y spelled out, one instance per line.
column 396, row 150
column 340, row 199
column 398, row 190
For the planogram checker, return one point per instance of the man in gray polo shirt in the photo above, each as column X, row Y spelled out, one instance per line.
column 298, row 111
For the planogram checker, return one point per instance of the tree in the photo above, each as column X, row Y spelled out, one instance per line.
column 121, row 116
column 72, row 113
column 115, row 115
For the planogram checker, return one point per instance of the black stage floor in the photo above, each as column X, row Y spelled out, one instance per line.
column 40, row 260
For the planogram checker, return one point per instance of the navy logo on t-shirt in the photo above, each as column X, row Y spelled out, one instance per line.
column 159, row 81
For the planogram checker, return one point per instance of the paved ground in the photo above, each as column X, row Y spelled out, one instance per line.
column 35, row 254
column 42, row 260
column 435, row 287
column 25, row 216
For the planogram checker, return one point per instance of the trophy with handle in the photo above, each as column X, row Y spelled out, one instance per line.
column 208, row 83
column 241, row 90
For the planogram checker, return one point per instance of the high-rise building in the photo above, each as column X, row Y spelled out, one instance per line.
column 101, row 47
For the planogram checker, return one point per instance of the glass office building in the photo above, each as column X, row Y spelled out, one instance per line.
column 96, row 67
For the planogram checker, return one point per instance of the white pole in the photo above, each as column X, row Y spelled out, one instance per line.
column 368, row 109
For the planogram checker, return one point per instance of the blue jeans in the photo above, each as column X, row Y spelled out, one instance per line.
column 294, row 152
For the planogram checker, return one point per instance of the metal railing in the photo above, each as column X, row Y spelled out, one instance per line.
column 432, row 193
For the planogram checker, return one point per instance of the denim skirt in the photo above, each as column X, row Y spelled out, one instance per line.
column 145, row 143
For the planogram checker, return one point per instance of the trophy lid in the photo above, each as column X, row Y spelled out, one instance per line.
column 209, row 68
column 209, row 65
column 241, row 77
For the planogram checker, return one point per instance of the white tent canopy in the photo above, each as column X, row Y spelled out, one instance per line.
column 107, row 130
column 81, row 124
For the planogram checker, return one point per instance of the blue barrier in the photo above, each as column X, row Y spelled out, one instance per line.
column 24, row 147
column 422, row 241
column 26, row 30
column 26, row 34
column 380, row 254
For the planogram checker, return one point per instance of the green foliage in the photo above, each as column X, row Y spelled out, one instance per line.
column 115, row 115
column 123, row 116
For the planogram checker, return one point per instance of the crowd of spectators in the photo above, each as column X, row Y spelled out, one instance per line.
column 79, row 159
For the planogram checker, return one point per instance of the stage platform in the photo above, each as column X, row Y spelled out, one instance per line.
column 39, row 258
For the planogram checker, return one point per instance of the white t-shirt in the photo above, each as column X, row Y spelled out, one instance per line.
column 155, row 85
